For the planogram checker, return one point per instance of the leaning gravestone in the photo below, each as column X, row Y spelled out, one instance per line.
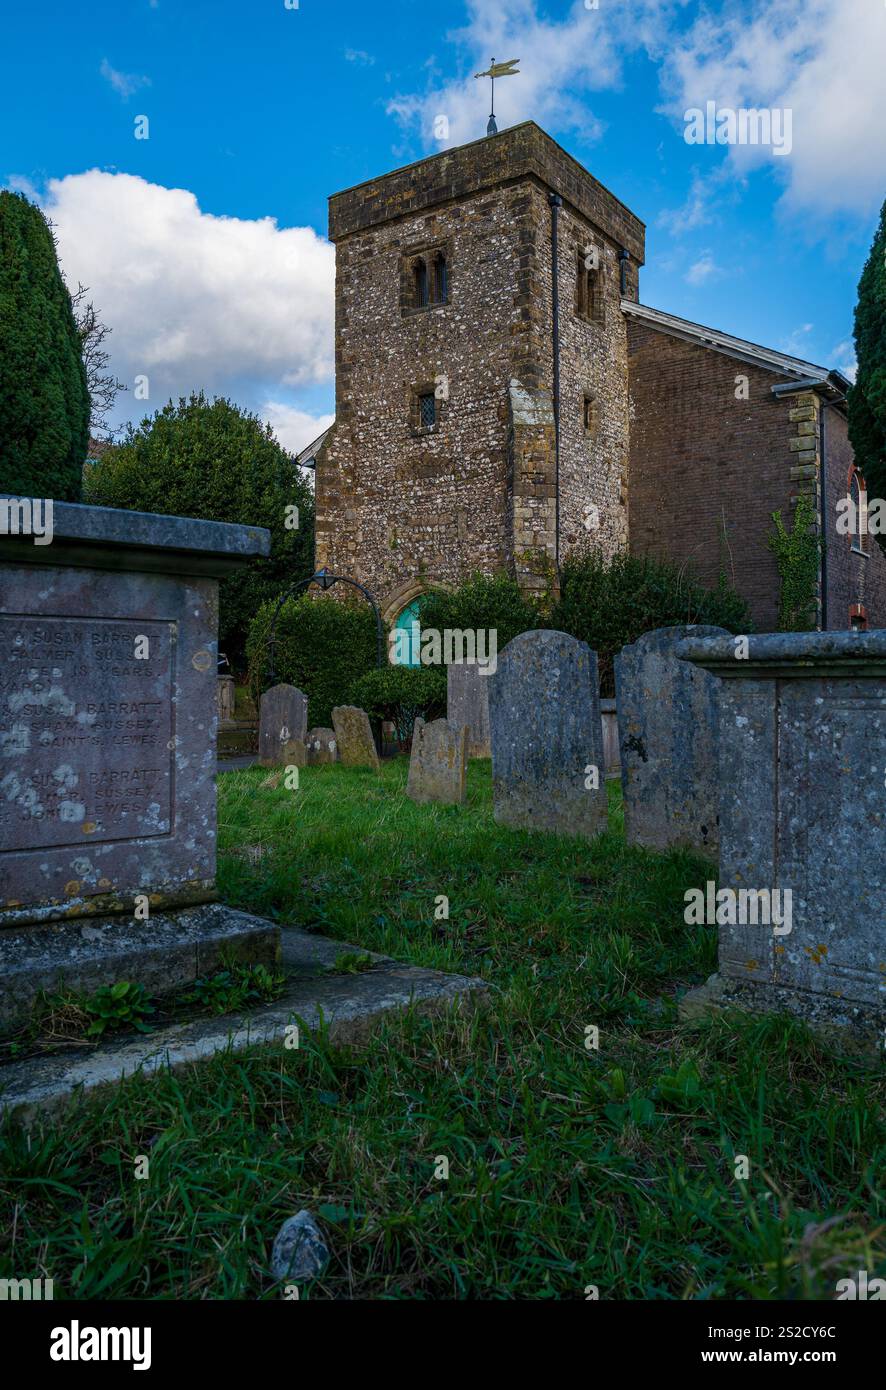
column 802, row 758
column 108, row 710
column 353, row 735
column 437, row 762
column 546, row 736
column 322, row 747
column 283, row 722
column 667, row 722
column 467, row 702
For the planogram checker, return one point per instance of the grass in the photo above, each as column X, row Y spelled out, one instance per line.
column 568, row 1166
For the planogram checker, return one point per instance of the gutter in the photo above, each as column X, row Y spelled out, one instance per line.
column 556, row 203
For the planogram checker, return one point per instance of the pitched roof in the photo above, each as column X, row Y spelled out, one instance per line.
column 308, row 455
column 794, row 368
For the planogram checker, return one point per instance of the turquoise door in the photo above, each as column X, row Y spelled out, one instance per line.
column 407, row 645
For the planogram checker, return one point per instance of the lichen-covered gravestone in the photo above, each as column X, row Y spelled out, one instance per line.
column 802, row 812
column 467, row 702
column 283, row 722
column 667, row 723
column 322, row 747
column 108, row 712
column 546, row 736
column 437, row 762
column 353, row 735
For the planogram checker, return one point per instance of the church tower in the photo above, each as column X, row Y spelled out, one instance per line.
column 481, row 369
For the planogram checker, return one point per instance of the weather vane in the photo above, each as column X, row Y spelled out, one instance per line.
column 508, row 69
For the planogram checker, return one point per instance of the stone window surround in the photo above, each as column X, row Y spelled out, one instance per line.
column 586, row 279
column 588, row 399
column 415, row 392
column 427, row 252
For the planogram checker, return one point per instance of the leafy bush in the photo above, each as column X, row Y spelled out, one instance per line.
column 402, row 694
column 323, row 645
column 491, row 603
column 608, row 603
column 44, row 400
column 215, row 461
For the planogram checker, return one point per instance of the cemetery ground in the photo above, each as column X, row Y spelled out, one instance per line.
column 569, row 1166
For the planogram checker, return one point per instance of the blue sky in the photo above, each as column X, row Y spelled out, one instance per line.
column 204, row 244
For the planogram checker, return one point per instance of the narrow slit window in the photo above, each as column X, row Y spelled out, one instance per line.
column 420, row 276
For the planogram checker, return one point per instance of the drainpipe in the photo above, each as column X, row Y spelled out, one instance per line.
column 556, row 203
column 824, row 505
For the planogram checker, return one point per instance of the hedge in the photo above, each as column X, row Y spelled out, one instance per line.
column 323, row 645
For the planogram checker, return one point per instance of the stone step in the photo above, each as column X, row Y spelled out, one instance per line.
column 347, row 1006
column 165, row 953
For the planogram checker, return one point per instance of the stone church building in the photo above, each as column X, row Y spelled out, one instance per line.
column 502, row 393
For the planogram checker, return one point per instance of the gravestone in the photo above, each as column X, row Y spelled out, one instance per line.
column 353, row 734
column 467, row 702
column 322, row 747
column 546, row 736
column 437, row 763
column 802, row 756
column 283, row 723
column 667, row 722
column 108, row 711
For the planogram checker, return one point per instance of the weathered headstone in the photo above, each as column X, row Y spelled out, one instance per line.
column 667, row 722
column 467, row 702
column 437, row 762
column 322, row 747
column 283, row 723
column 546, row 736
column 108, row 710
column 353, row 735
column 802, row 764
column 226, row 699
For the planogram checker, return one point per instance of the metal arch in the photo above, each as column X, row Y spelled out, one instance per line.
column 326, row 581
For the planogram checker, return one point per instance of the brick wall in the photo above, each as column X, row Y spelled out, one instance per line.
column 707, row 469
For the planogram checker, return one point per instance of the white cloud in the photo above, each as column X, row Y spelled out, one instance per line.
column 196, row 301
column 820, row 60
column 125, row 84
column 561, row 63
column 843, row 358
column 294, row 428
column 357, row 55
column 704, row 269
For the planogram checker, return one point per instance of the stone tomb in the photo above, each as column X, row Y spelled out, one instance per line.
column 283, row 723
column 438, row 762
column 802, row 810
column 667, row 722
column 546, row 735
column 467, row 702
column 108, row 710
column 353, row 734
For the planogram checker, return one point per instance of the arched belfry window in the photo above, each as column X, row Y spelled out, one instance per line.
column 588, row 287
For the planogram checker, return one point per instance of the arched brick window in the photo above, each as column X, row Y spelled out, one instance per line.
column 857, row 490
column 858, row 618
